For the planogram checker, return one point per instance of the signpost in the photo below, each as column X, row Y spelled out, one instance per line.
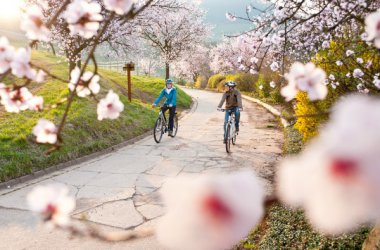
column 129, row 67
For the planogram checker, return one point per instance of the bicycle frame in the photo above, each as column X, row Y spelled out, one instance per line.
column 231, row 122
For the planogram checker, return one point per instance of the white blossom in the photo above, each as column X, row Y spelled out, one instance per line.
column 349, row 52
column 88, row 84
column 110, row 107
column 358, row 73
column 120, row 7
column 16, row 100
column 339, row 63
column 83, row 18
column 35, row 103
column 372, row 23
column 306, row 78
column 210, row 212
column 45, row 132
column 337, row 177
column 230, row 17
column 53, row 203
column 6, row 55
column 32, row 23
column 326, row 44
column 272, row 84
column 360, row 60
column 274, row 66
column 21, row 64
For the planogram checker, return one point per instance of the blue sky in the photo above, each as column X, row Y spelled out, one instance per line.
column 216, row 16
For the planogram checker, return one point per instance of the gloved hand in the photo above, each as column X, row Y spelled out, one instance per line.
column 219, row 109
column 170, row 105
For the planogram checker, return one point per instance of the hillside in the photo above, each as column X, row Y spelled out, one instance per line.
column 83, row 134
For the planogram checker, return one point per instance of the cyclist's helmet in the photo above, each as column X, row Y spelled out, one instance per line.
column 169, row 81
column 230, row 84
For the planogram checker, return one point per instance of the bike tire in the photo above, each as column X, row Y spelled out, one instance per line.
column 233, row 138
column 157, row 132
column 228, row 142
column 175, row 126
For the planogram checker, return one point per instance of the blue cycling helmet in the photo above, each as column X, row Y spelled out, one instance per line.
column 230, row 84
column 169, row 81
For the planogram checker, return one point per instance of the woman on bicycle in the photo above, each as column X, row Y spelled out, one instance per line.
column 232, row 97
column 170, row 104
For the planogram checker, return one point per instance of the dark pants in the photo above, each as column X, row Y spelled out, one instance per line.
column 171, row 115
column 237, row 119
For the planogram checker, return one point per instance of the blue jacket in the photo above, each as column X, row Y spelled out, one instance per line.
column 171, row 98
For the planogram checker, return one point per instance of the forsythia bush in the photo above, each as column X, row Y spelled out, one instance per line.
column 262, row 87
column 214, row 81
column 308, row 126
column 201, row 82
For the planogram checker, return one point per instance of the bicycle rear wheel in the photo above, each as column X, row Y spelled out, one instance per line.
column 175, row 126
column 228, row 142
column 158, row 130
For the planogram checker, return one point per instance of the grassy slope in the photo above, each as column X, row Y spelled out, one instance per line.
column 284, row 228
column 83, row 133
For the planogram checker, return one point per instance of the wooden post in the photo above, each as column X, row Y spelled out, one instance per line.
column 129, row 67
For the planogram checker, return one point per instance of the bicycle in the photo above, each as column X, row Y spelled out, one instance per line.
column 161, row 126
column 230, row 131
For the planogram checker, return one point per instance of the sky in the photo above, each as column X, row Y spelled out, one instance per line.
column 216, row 16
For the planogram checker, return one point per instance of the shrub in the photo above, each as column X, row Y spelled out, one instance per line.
column 308, row 126
column 214, row 81
column 201, row 82
column 275, row 95
column 262, row 87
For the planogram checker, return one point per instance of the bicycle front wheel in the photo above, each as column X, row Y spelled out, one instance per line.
column 158, row 130
column 228, row 142
column 233, row 136
column 175, row 126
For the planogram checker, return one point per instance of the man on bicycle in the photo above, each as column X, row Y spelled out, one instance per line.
column 232, row 97
column 170, row 104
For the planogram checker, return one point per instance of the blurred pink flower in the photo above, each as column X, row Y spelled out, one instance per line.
column 53, row 203
column 16, row 100
column 110, row 107
column 337, row 177
column 306, row 78
column 372, row 23
column 20, row 64
column 83, row 18
column 45, row 132
column 32, row 23
column 210, row 212
column 120, row 7
column 88, row 84
column 6, row 55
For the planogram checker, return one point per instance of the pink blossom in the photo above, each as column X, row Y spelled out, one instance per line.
column 53, row 203
column 120, row 7
column 306, row 78
column 372, row 23
column 110, row 107
column 16, row 100
column 88, row 84
column 83, row 18
column 6, row 55
column 210, row 212
column 32, row 23
column 21, row 64
column 337, row 177
column 45, row 132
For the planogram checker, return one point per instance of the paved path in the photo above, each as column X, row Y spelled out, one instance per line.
column 119, row 190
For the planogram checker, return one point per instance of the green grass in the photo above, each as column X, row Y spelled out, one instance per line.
column 83, row 133
column 284, row 228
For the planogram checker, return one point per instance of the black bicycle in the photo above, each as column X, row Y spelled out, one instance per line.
column 230, row 132
column 162, row 126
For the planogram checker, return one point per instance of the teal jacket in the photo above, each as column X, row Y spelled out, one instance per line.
column 171, row 98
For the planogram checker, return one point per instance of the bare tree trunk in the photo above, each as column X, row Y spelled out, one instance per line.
column 167, row 71
column 52, row 48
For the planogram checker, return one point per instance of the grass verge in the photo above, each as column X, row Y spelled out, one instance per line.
column 83, row 134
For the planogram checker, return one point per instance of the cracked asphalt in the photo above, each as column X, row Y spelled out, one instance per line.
column 120, row 190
